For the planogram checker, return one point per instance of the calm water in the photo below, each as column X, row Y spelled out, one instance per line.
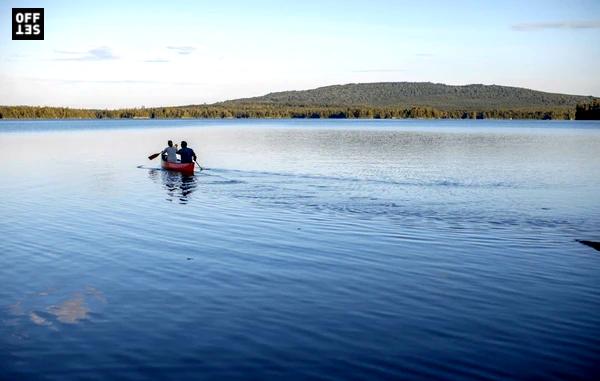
column 308, row 250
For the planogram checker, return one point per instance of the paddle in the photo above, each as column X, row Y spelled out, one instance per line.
column 153, row 156
column 198, row 165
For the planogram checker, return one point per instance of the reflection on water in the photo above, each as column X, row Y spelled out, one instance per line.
column 178, row 185
column 49, row 307
column 71, row 311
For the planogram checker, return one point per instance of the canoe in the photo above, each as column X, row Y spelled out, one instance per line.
column 179, row 167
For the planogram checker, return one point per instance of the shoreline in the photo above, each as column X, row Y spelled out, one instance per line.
column 264, row 111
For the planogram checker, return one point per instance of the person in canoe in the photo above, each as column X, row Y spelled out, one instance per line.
column 169, row 154
column 187, row 154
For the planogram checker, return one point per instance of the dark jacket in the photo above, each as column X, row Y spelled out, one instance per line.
column 187, row 155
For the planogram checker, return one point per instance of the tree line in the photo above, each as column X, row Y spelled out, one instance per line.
column 588, row 111
column 289, row 111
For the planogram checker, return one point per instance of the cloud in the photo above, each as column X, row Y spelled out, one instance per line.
column 101, row 53
column 58, row 81
column 524, row 27
column 17, row 57
column 117, row 81
column 379, row 71
column 157, row 60
column 83, row 81
column 424, row 54
column 183, row 50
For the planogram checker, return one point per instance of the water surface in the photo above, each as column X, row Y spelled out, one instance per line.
column 307, row 250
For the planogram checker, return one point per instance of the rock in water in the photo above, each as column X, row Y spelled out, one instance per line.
column 592, row 244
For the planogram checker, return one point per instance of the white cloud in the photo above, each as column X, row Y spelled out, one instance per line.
column 379, row 71
column 557, row 25
column 101, row 53
column 183, row 50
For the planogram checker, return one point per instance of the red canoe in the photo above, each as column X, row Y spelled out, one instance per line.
column 187, row 168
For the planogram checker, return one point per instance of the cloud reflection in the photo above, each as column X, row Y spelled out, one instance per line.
column 70, row 311
column 46, row 308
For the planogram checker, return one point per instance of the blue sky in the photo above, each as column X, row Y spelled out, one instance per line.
column 134, row 53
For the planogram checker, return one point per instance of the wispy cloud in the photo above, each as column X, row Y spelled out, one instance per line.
column 379, row 71
column 524, row 27
column 60, row 81
column 17, row 57
column 183, row 50
column 157, row 60
column 101, row 53
column 424, row 54
column 113, row 82
column 82, row 81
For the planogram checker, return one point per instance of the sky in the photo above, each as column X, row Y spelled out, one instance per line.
column 110, row 54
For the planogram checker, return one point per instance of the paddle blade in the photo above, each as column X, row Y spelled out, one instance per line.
column 153, row 156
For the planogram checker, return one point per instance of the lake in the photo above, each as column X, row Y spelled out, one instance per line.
column 307, row 249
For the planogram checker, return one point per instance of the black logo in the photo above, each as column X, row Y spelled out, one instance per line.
column 28, row 23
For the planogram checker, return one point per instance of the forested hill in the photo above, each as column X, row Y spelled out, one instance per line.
column 420, row 94
column 363, row 100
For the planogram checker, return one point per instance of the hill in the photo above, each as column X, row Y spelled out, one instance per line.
column 418, row 94
column 358, row 100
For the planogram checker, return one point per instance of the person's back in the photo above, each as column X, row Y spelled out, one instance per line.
column 171, row 153
column 187, row 154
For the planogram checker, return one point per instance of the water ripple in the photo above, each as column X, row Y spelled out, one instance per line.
column 301, row 252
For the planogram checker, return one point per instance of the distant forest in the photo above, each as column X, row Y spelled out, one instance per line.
column 266, row 111
column 353, row 101
column 588, row 111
